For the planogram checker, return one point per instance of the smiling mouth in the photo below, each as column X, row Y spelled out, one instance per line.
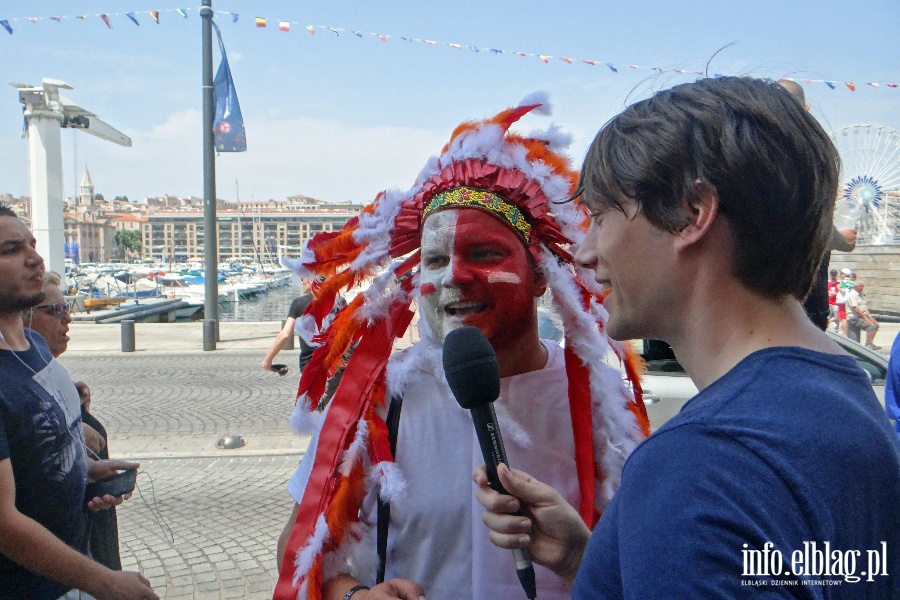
column 462, row 309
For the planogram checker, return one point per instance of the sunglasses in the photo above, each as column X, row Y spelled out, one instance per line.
column 57, row 309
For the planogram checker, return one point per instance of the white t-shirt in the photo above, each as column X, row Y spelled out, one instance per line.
column 436, row 537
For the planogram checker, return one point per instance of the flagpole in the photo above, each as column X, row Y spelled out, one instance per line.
column 210, row 231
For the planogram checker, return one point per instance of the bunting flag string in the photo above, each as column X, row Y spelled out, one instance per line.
column 285, row 26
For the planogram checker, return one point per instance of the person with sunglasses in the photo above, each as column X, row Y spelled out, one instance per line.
column 51, row 319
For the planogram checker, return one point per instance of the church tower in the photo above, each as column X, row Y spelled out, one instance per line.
column 86, row 190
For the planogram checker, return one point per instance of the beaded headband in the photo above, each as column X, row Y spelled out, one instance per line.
column 469, row 197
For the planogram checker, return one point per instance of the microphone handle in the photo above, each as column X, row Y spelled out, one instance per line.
column 488, row 432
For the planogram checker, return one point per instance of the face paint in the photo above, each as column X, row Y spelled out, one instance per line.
column 476, row 271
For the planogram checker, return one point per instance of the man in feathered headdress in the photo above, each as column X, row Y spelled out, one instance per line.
column 476, row 241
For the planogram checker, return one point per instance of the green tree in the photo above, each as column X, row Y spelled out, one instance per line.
column 128, row 241
column 99, row 196
column 120, row 198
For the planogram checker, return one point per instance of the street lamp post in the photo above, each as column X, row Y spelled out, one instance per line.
column 210, row 233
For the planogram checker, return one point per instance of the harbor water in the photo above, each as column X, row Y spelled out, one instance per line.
column 271, row 306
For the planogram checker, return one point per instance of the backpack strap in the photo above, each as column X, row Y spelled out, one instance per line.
column 384, row 508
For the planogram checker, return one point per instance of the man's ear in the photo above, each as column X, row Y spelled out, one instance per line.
column 539, row 282
column 701, row 211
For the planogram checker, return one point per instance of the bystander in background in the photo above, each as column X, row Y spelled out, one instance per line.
column 847, row 282
column 859, row 318
column 51, row 319
column 295, row 311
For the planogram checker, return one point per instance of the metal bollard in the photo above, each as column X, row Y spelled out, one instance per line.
column 128, row 336
column 209, row 334
column 290, row 343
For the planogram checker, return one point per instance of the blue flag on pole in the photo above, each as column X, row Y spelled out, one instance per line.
column 228, row 126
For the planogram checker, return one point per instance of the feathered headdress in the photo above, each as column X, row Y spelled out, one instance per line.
column 529, row 178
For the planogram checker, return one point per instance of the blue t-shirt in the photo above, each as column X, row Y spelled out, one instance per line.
column 40, row 432
column 787, row 452
column 892, row 385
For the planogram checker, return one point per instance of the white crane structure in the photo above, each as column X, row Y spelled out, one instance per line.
column 46, row 111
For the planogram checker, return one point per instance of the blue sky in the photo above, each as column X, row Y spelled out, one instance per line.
column 342, row 117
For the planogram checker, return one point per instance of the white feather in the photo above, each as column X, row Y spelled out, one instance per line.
column 389, row 480
column 357, row 449
column 307, row 555
column 306, row 328
column 539, row 97
column 303, row 420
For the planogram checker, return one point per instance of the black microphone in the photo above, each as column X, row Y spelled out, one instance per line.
column 471, row 368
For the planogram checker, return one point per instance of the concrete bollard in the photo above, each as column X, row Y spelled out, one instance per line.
column 290, row 343
column 209, row 334
column 128, row 336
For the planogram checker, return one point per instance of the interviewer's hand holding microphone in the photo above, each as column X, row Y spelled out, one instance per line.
column 546, row 525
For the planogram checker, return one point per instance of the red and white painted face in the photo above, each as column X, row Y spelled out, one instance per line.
column 476, row 271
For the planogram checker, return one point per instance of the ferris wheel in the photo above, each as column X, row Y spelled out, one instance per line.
column 870, row 181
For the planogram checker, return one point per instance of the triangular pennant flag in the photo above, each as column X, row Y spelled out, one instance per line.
column 311, row 29
column 81, row 16
column 105, row 18
column 612, row 68
column 6, row 26
column 891, row 85
column 406, row 39
column 568, row 60
column 873, row 84
column 544, row 58
column 334, row 31
column 829, row 84
column 430, row 42
column 154, row 14
column 228, row 125
column 383, row 38
column 284, row 25
column 234, row 17
column 132, row 17
column 590, row 62
column 521, row 54
column 850, row 85
column 357, row 33
column 32, row 19
column 457, row 46
column 181, row 12
column 57, row 19
column 495, row 51
column 260, row 21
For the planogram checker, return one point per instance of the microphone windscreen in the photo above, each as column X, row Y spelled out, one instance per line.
column 471, row 368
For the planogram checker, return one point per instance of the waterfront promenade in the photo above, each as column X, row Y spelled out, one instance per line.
column 166, row 405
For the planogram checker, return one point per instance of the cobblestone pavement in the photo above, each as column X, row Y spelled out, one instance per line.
column 223, row 515
column 185, row 401
column 224, row 508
